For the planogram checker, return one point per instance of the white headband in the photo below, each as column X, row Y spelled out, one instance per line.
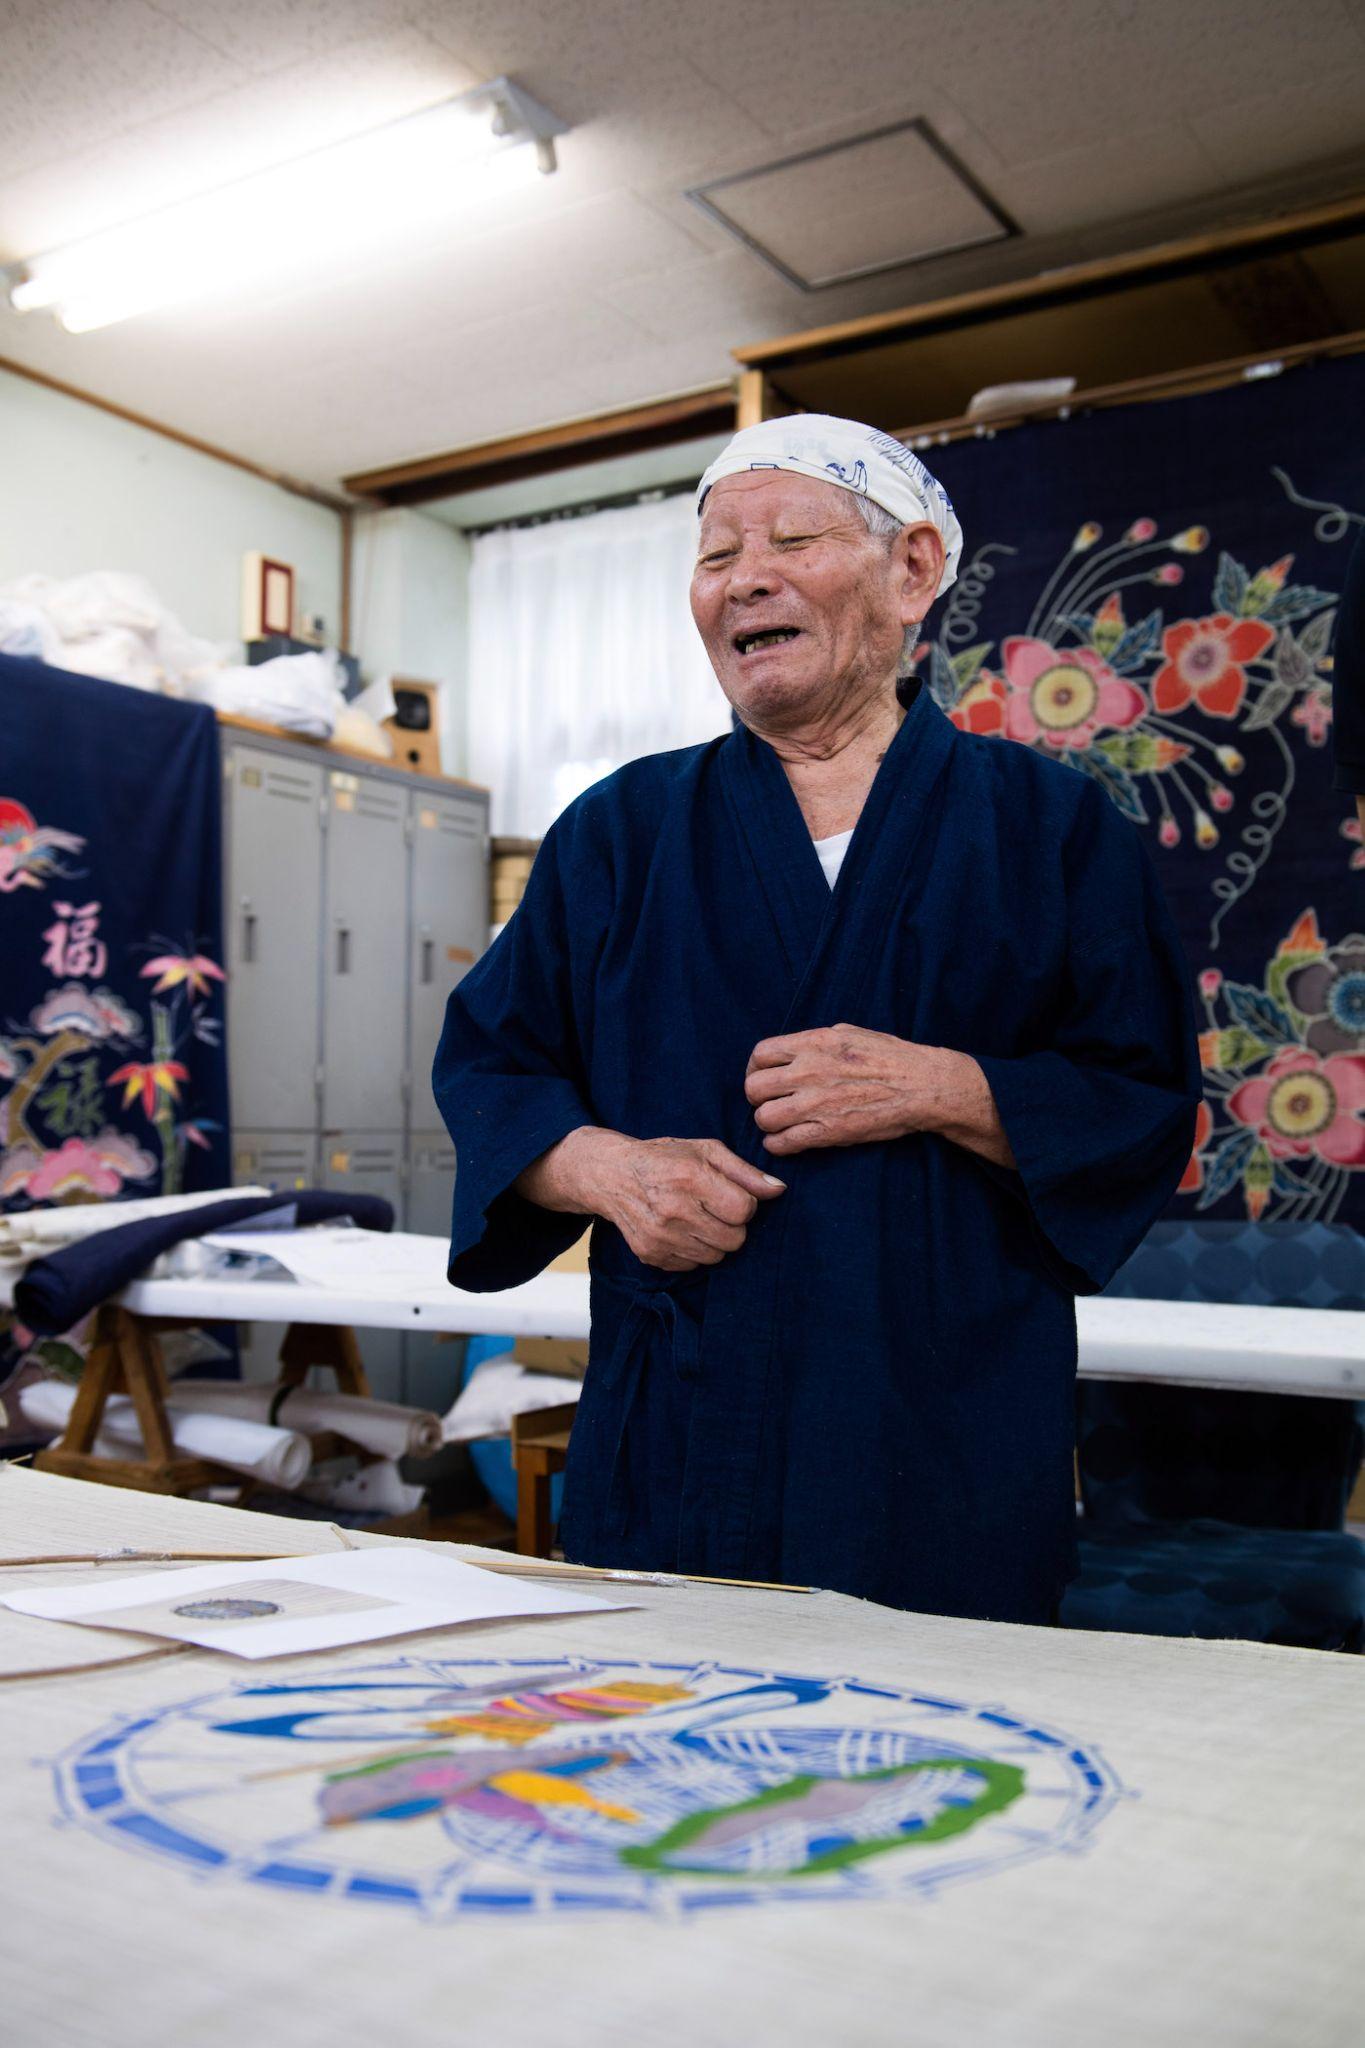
column 859, row 458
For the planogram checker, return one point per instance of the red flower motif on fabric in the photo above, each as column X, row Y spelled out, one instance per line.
column 1193, row 1177
column 1303, row 1107
column 1205, row 662
column 1063, row 696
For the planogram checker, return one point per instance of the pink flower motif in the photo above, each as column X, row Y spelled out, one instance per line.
column 1062, row 696
column 1304, row 1107
column 1169, row 573
column 1140, row 530
column 1314, row 714
column 1169, row 834
column 1351, row 829
column 76, row 1168
column 1210, row 981
column 1220, row 798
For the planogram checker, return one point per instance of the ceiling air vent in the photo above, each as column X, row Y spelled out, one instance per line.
column 875, row 202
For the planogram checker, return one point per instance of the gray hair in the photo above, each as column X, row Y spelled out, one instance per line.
column 886, row 526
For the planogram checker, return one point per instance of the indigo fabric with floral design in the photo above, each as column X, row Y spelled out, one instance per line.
column 113, row 1077
column 1148, row 595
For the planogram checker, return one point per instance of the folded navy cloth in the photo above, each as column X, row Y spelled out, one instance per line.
column 57, row 1291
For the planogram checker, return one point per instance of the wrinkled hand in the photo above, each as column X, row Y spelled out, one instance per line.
column 844, row 1086
column 684, row 1202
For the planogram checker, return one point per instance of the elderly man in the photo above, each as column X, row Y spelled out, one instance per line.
column 927, row 977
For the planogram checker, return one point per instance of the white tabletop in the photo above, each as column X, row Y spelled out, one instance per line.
column 1201, row 1344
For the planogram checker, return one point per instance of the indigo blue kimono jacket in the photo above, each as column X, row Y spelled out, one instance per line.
column 875, row 1393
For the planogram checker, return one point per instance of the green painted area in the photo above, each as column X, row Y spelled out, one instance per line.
column 389, row 1762
column 1002, row 1785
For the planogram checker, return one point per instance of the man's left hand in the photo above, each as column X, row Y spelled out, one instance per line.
column 846, row 1086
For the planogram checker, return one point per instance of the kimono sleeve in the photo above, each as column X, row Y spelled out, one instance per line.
column 1101, row 1118
column 509, row 1082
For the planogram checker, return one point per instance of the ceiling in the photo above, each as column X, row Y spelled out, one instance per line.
column 1094, row 125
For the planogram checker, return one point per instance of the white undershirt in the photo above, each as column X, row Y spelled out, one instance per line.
column 831, row 852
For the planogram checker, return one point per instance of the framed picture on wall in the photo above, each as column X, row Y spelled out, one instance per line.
column 267, row 597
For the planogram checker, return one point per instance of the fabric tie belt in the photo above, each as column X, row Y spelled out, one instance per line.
column 652, row 1313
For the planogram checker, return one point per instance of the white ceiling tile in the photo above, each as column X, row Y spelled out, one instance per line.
column 863, row 204
column 77, row 69
column 1132, row 174
column 264, row 34
column 1272, row 131
column 300, row 107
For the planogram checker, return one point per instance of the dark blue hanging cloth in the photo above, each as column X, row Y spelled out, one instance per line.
column 113, row 1075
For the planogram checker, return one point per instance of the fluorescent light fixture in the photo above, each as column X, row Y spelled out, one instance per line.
column 309, row 216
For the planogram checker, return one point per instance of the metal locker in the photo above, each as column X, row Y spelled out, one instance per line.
column 273, row 888
column 449, row 925
column 272, row 1159
column 364, row 968
column 362, row 1163
column 431, row 1364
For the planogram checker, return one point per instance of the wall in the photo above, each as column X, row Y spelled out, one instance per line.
column 81, row 489
column 410, row 606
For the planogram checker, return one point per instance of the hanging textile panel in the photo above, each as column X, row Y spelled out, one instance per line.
column 1147, row 595
column 113, row 1076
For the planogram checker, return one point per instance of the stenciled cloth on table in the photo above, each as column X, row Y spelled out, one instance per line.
column 56, row 1291
column 198, row 1853
column 113, row 1072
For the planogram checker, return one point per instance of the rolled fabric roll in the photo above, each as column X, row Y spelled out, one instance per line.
column 383, row 1427
column 280, row 1457
column 25, row 1233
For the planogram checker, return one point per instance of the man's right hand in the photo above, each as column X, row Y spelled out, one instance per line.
column 679, row 1203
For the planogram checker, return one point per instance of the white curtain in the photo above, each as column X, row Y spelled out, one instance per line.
column 583, row 656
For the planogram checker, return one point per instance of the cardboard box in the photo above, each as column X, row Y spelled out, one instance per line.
column 566, row 1356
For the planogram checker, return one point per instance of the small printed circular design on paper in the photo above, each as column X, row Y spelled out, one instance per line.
column 564, row 1784
column 226, row 1610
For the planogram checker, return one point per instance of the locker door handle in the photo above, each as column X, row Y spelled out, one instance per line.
column 343, row 949
column 248, row 937
column 428, row 961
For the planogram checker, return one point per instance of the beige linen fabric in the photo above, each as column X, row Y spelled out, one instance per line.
column 1221, row 1904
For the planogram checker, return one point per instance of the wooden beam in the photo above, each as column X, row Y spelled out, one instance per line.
column 292, row 484
column 755, row 399
column 1165, row 384
column 1199, row 253
column 548, row 449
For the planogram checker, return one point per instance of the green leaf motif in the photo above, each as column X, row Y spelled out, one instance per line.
column 1238, row 1047
column 1225, row 1167
column 967, row 666
column 1316, row 637
column 1258, row 1177
column 1274, row 699
column 1292, row 665
column 942, row 682
column 1113, row 780
column 1259, row 1014
column 1229, row 585
column 1278, row 973
column 1293, row 602
column 1134, row 751
column 1137, row 644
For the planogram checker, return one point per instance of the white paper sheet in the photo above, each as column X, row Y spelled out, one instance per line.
column 398, row 1263
column 318, row 1603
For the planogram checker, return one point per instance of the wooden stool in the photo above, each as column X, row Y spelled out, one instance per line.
column 540, row 1445
column 125, row 1358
